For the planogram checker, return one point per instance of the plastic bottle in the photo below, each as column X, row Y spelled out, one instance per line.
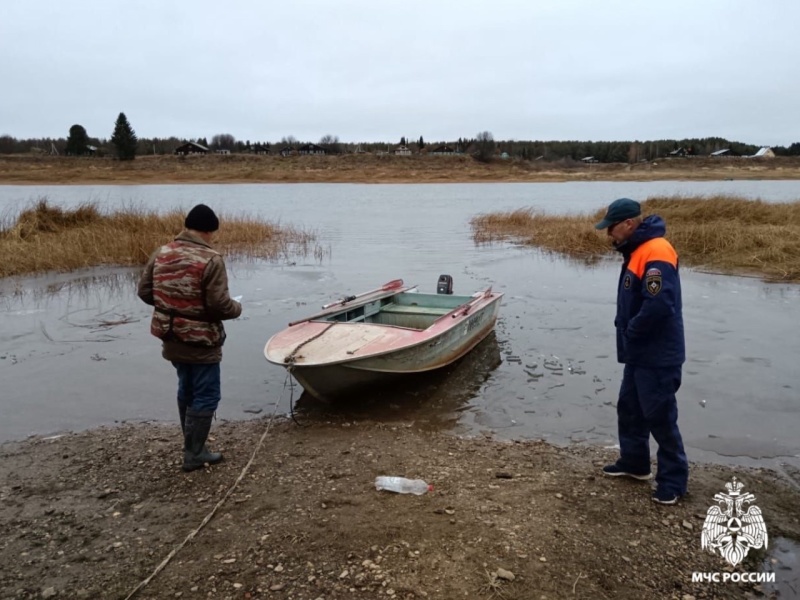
column 401, row 485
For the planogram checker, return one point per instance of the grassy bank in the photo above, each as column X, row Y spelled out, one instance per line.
column 49, row 238
column 370, row 168
column 720, row 233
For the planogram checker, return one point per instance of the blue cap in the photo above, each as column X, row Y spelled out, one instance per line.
column 619, row 210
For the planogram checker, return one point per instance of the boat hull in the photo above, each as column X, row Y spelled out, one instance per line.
column 331, row 358
column 331, row 381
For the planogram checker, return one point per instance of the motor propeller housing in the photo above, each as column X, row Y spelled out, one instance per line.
column 445, row 285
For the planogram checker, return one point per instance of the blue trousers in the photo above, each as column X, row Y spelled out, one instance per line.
column 198, row 386
column 647, row 405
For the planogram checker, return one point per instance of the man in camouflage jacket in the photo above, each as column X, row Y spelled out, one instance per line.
column 186, row 283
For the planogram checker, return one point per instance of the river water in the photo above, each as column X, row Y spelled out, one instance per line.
column 75, row 351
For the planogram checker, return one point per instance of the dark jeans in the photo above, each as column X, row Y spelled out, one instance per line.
column 198, row 386
column 647, row 405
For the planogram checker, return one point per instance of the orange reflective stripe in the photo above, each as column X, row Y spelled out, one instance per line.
column 655, row 249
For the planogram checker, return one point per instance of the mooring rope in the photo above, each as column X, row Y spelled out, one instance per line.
column 290, row 380
column 290, row 358
column 214, row 510
column 290, row 363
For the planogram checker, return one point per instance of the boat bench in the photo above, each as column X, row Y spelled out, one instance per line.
column 403, row 309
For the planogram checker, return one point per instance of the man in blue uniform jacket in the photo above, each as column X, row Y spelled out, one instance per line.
column 650, row 344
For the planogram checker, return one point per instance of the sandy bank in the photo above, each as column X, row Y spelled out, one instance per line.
column 91, row 515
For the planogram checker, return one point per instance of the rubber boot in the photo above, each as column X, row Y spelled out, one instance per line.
column 195, row 453
column 182, row 414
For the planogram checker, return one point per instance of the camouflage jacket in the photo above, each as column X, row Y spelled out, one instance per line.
column 186, row 282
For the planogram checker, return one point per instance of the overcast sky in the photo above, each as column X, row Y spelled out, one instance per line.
column 375, row 71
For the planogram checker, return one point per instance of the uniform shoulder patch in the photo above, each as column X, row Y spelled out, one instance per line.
column 653, row 281
column 626, row 283
column 653, row 272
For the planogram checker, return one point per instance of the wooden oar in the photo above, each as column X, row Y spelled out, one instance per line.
column 389, row 285
column 465, row 308
column 326, row 309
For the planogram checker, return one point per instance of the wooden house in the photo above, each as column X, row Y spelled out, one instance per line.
column 191, row 148
column 311, row 149
column 763, row 153
column 443, row 150
column 402, row 151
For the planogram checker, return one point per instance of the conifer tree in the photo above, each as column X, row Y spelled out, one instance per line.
column 77, row 141
column 124, row 138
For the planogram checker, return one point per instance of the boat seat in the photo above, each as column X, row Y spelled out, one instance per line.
column 415, row 310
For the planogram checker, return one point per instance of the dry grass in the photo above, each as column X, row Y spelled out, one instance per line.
column 573, row 235
column 371, row 168
column 720, row 233
column 49, row 238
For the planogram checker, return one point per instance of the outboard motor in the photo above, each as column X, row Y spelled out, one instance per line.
column 445, row 285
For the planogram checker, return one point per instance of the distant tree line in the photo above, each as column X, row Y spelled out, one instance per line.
column 78, row 143
column 636, row 151
column 125, row 145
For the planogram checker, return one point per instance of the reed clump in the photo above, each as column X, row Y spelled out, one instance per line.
column 45, row 237
column 726, row 234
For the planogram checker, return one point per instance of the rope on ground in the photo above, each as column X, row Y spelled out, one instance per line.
column 214, row 510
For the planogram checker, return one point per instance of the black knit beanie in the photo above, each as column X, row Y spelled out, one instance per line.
column 201, row 218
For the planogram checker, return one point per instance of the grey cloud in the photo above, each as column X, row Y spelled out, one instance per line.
column 368, row 71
